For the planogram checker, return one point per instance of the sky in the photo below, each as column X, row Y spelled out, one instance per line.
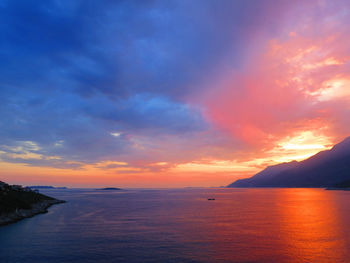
column 168, row 93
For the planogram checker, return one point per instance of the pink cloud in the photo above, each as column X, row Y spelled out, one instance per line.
column 295, row 82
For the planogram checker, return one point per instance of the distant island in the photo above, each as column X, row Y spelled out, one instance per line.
column 17, row 202
column 46, row 187
column 327, row 169
column 109, row 188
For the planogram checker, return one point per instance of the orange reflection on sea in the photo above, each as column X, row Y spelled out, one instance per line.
column 266, row 225
column 310, row 226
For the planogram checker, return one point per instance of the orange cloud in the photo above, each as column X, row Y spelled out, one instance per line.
column 298, row 82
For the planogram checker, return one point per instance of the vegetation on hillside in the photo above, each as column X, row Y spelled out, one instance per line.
column 14, row 197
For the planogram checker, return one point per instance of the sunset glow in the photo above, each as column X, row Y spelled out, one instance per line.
column 169, row 94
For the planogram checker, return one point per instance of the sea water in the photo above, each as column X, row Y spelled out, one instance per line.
column 182, row 225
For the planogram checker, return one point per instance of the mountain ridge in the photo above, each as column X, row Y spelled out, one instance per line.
column 324, row 169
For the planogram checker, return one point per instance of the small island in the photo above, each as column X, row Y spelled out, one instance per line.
column 17, row 202
column 109, row 188
column 46, row 187
column 41, row 187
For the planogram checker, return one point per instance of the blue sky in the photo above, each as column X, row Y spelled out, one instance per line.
column 141, row 82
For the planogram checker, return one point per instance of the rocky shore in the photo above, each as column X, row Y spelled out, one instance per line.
column 17, row 202
column 18, row 214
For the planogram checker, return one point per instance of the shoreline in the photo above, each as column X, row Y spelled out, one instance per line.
column 19, row 214
column 337, row 188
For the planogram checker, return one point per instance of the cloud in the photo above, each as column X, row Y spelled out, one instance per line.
column 175, row 82
column 292, row 84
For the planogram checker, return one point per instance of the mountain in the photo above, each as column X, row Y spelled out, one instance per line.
column 17, row 202
column 330, row 168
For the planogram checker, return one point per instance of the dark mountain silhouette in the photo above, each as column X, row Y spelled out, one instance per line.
column 330, row 168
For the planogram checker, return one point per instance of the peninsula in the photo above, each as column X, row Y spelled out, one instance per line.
column 17, row 202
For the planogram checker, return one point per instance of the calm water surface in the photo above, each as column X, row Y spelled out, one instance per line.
column 241, row 225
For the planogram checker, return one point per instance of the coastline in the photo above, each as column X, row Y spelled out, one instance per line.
column 337, row 188
column 19, row 214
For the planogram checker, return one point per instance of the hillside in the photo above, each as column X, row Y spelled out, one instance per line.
column 325, row 169
column 17, row 203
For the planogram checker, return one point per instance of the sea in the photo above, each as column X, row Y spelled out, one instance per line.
column 182, row 225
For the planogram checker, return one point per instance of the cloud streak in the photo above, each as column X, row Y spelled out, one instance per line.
column 169, row 88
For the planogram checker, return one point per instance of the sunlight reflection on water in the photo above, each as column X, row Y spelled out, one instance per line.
column 181, row 225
